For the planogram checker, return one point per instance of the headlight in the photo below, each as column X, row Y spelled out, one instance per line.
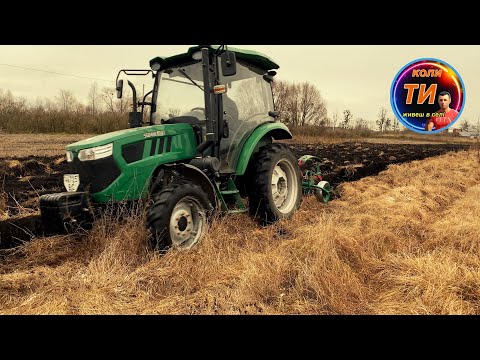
column 69, row 156
column 96, row 153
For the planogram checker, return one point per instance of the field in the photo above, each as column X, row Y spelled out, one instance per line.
column 401, row 236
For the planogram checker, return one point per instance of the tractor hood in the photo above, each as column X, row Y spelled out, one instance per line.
column 136, row 134
column 119, row 165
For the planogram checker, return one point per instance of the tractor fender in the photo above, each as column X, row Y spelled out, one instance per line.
column 197, row 176
column 261, row 136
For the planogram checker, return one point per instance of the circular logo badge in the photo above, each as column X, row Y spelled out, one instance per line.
column 427, row 95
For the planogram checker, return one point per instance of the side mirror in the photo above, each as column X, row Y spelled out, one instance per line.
column 268, row 77
column 119, row 89
column 229, row 63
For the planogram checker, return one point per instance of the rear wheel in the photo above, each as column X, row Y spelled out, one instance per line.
column 177, row 217
column 277, row 193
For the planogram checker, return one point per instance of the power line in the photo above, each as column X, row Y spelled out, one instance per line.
column 57, row 73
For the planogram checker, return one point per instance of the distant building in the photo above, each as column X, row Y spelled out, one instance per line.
column 456, row 132
column 470, row 134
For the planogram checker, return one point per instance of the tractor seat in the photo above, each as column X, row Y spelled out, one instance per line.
column 192, row 120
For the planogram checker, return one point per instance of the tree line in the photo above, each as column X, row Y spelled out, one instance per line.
column 468, row 126
column 298, row 104
column 301, row 104
column 102, row 113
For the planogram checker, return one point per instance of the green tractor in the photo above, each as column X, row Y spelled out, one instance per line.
column 206, row 144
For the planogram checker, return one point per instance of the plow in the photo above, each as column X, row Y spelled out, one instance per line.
column 312, row 180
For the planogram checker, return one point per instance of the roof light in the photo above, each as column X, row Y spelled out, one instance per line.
column 155, row 66
column 197, row 55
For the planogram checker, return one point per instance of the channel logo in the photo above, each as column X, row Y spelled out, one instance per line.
column 427, row 95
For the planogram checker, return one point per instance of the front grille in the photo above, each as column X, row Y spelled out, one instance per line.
column 95, row 175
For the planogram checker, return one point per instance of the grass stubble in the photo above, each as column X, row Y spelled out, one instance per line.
column 403, row 242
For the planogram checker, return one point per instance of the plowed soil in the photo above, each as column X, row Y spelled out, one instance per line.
column 24, row 179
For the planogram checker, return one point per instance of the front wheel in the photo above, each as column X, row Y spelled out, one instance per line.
column 177, row 217
column 277, row 191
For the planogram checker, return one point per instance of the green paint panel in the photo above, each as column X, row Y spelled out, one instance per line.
column 135, row 177
column 276, row 130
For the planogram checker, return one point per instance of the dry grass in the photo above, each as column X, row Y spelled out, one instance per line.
column 403, row 242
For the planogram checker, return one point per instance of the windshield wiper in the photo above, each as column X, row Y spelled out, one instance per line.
column 189, row 78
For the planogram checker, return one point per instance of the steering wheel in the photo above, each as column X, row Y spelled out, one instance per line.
column 198, row 108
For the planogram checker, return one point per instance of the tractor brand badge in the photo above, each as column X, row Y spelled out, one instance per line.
column 427, row 95
column 155, row 133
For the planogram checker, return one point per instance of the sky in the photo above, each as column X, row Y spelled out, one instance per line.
column 354, row 77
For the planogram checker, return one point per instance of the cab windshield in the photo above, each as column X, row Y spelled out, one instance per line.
column 180, row 92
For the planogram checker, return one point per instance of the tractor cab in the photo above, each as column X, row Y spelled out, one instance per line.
column 237, row 99
column 247, row 103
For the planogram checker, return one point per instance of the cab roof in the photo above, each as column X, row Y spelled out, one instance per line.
column 254, row 58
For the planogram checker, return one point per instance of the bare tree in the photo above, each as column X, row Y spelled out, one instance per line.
column 347, row 116
column 112, row 103
column 299, row 104
column 396, row 124
column 8, row 102
column 465, row 125
column 335, row 119
column 108, row 95
column 361, row 123
column 50, row 106
column 312, row 105
column 280, row 90
column 388, row 123
column 292, row 104
column 66, row 100
column 39, row 104
column 382, row 119
column 80, row 109
column 475, row 128
column 286, row 99
column 93, row 98
column 327, row 122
